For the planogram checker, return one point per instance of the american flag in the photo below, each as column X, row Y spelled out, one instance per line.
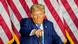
column 63, row 13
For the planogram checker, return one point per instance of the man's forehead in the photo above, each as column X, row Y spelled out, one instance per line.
column 36, row 7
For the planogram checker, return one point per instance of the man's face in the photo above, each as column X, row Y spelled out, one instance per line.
column 38, row 16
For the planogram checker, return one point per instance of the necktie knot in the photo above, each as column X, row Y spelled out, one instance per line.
column 38, row 26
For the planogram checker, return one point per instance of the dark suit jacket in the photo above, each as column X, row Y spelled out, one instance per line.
column 50, row 36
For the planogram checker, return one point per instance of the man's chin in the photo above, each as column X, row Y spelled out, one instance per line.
column 38, row 22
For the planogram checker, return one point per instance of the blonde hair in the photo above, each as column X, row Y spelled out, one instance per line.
column 37, row 7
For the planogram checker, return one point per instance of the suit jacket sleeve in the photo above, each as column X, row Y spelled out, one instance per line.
column 24, row 30
column 56, row 38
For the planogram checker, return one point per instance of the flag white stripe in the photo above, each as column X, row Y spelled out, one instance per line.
column 76, row 34
column 3, row 35
column 40, row 2
column 69, row 21
column 29, row 3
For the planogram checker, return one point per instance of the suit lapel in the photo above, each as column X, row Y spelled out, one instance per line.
column 45, row 29
column 33, row 25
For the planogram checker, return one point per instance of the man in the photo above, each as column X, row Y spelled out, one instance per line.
column 37, row 29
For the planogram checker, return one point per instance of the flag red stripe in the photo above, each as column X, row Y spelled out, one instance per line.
column 35, row 1
column 5, row 28
column 1, row 42
column 25, row 6
column 71, row 13
column 55, row 15
column 14, row 9
column 76, row 2
column 70, row 32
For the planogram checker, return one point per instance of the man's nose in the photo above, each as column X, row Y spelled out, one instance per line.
column 38, row 16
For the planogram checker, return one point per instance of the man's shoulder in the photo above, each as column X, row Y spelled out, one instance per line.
column 29, row 20
column 48, row 21
column 25, row 20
